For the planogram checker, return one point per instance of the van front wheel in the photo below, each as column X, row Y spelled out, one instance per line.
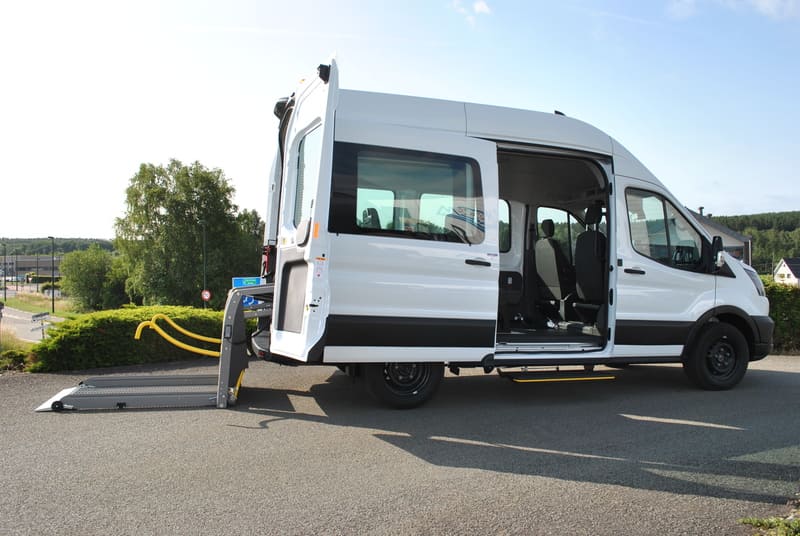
column 718, row 358
column 403, row 385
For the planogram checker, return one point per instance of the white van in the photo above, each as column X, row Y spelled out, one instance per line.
column 407, row 234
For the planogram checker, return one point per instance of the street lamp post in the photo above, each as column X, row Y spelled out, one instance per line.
column 16, row 275
column 52, row 274
column 4, row 272
column 37, row 274
column 205, row 282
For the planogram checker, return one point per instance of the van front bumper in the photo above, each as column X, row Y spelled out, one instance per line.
column 762, row 343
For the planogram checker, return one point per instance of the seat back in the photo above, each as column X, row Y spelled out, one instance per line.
column 552, row 266
column 590, row 260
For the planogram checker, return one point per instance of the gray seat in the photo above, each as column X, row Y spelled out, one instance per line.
column 370, row 219
column 556, row 275
column 590, row 268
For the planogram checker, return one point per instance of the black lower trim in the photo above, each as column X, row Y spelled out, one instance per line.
column 346, row 330
column 765, row 327
column 652, row 333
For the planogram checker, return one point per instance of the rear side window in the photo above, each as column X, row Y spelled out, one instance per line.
column 408, row 194
column 504, row 219
column 660, row 232
column 566, row 228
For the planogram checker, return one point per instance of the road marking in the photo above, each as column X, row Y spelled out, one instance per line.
column 682, row 421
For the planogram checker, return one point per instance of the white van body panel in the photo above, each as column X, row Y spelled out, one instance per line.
column 380, row 279
column 729, row 291
column 536, row 128
column 360, row 109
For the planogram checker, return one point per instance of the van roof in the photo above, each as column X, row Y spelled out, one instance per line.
column 490, row 122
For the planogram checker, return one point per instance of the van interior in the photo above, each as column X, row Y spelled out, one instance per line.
column 554, row 253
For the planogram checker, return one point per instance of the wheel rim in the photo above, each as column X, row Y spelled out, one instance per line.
column 721, row 359
column 405, row 379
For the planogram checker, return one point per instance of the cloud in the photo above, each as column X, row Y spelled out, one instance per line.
column 479, row 7
column 681, row 9
column 774, row 9
column 777, row 9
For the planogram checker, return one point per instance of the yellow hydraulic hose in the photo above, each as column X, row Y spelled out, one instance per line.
column 185, row 331
column 152, row 325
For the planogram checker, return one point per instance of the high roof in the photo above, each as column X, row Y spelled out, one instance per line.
column 490, row 122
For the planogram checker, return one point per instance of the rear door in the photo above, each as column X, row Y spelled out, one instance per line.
column 301, row 282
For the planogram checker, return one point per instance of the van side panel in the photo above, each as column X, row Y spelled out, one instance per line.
column 399, row 291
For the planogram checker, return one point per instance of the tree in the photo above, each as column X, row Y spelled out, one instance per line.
column 91, row 278
column 170, row 212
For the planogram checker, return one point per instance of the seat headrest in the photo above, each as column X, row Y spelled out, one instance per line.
column 548, row 228
column 594, row 213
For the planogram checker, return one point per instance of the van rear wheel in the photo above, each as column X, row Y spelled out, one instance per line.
column 403, row 385
column 718, row 359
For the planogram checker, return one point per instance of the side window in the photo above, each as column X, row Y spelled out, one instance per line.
column 308, row 155
column 407, row 194
column 566, row 228
column 660, row 232
column 505, row 226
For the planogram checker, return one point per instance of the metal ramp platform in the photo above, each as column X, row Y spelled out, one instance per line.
column 178, row 391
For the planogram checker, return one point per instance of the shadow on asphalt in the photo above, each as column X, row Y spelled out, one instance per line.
column 648, row 429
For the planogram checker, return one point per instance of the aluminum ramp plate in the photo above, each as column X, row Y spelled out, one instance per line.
column 137, row 392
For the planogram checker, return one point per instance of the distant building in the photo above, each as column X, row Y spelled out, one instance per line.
column 787, row 272
column 17, row 266
column 740, row 246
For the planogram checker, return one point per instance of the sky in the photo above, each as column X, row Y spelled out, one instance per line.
column 703, row 92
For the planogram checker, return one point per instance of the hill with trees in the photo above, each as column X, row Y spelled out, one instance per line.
column 775, row 235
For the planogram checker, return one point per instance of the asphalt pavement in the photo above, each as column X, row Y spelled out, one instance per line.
column 306, row 451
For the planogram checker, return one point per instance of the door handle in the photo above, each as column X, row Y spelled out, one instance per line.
column 477, row 262
column 637, row 271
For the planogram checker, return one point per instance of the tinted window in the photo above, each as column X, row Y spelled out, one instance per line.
column 407, row 194
column 566, row 228
column 504, row 217
column 660, row 232
column 308, row 155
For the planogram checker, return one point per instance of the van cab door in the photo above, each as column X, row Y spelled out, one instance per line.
column 301, row 282
column 664, row 280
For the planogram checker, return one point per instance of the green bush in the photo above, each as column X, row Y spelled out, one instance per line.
column 34, row 279
column 47, row 286
column 784, row 308
column 105, row 339
column 13, row 360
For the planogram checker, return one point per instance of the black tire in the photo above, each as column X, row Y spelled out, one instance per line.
column 718, row 358
column 403, row 385
column 57, row 406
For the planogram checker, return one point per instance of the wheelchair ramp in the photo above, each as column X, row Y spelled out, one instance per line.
column 137, row 392
column 178, row 391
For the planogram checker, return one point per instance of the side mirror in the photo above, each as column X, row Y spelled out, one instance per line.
column 716, row 252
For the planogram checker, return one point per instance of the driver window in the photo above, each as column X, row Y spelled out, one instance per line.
column 660, row 232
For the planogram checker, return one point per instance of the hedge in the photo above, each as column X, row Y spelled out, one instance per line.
column 784, row 308
column 105, row 339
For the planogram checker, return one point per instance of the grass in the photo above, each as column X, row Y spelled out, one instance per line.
column 777, row 526
column 9, row 341
column 774, row 526
column 13, row 351
column 38, row 303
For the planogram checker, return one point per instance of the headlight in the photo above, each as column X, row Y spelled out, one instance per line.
column 756, row 280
